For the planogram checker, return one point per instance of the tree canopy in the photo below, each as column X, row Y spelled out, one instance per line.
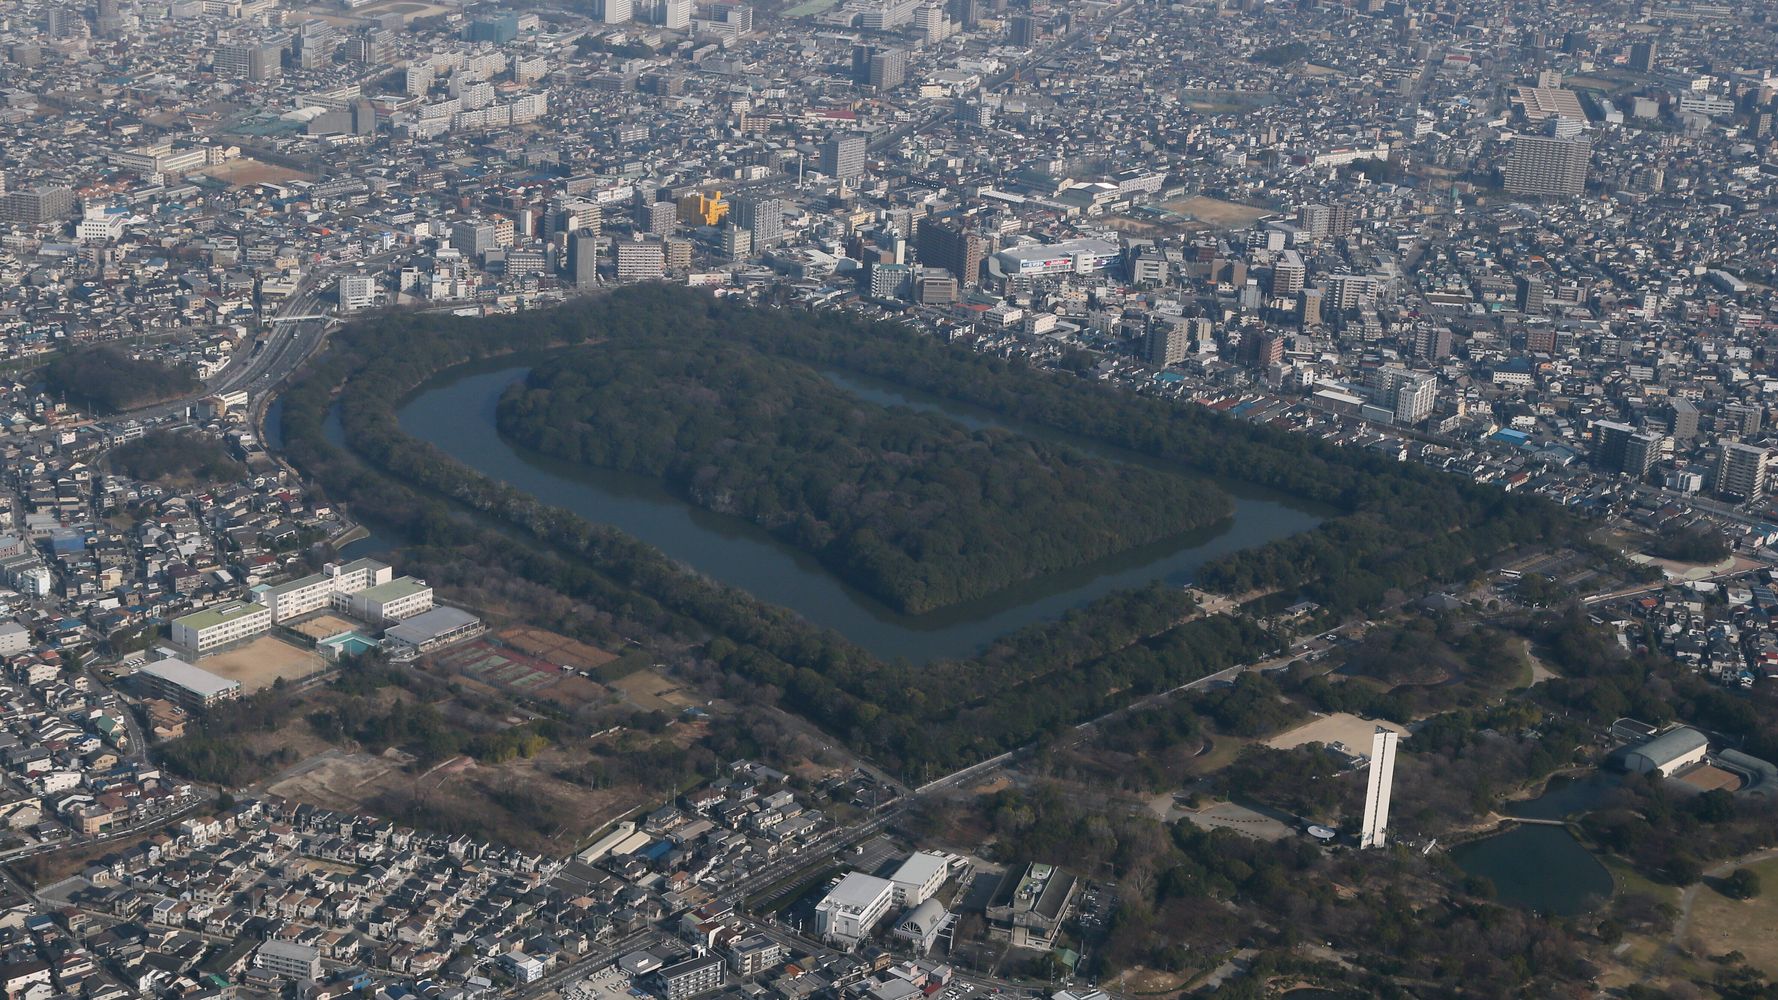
column 910, row 507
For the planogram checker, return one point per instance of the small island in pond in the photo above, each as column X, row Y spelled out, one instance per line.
column 913, row 508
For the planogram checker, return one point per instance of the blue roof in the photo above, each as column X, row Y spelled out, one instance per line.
column 1510, row 436
column 1169, row 377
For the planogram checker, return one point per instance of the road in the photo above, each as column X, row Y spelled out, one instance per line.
column 290, row 342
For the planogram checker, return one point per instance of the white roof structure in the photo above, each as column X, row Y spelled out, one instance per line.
column 194, row 679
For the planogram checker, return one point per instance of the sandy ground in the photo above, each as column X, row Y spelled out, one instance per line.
column 339, row 779
column 262, row 661
column 324, row 627
column 650, row 691
column 1229, row 816
column 1341, row 727
column 557, row 649
column 243, row 171
column 336, row 779
column 1217, row 212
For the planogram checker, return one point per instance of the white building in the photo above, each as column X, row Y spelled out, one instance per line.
column 215, row 627
column 289, row 960
column 522, row 967
column 852, row 908
column 357, row 291
column 312, row 593
column 181, row 683
column 403, row 597
column 1377, row 784
column 1669, row 753
column 919, row 877
column 1067, row 257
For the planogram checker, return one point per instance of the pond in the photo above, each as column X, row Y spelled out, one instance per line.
column 1544, row 868
column 456, row 412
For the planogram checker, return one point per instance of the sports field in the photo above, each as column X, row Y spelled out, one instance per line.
column 258, row 664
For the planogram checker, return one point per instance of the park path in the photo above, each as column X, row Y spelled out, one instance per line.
column 1719, row 870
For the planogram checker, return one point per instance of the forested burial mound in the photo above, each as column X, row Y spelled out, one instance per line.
column 910, row 507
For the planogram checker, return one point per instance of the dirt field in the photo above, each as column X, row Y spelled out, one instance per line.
column 262, row 661
column 1341, row 727
column 1216, row 212
column 242, row 172
column 1720, row 925
column 324, row 627
column 558, row 815
column 648, row 690
column 557, row 649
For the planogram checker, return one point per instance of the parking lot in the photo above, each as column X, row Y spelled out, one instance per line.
column 608, row 983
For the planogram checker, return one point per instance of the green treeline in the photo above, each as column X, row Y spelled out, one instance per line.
column 171, row 456
column 1407, row 525
column 106, row 380
column 911, row 507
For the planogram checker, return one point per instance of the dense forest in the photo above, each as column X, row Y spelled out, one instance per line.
column 106, row 380
column 910, row 507
column 171, row 457
column 1405, row 527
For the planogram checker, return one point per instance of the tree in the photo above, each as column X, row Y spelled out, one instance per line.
column 1742, row 883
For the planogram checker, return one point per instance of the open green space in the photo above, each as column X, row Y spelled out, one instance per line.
column 1401, row 526
column 910, row 507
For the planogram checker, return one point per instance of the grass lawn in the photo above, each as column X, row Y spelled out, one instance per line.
column 1720, row 924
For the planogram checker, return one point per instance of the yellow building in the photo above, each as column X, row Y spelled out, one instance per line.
column 706, row 209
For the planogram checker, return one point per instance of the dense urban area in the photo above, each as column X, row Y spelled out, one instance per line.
column 888, row 499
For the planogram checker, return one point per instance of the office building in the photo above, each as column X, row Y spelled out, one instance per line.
column 851, row 909
column 1533, row 295
column 1743, row 418
column 891, row 281
column 498, row 29
column 1682, row 419
column 257, row 60
column 1169, row 344
column 763, row 216
column 289, row 960
column 674, row 15
column 842, row 157
column 1742, row 475
column 38, row 205
column 939, row 243
column 640, row 259
column 217, row 626
column 357, row 291
column 1021, row 30
column 1622, row 448
column 1288, row 273
column 737, row 242
column 583, row 259
column 613, row 11
column 1546, row 166
column 61, row 21
column 1379, row 779
column 658, row 218
column 1408, row 394
column 1433, row 343
column 879, row 68
column 183, row 684
column 919, row 877
column 474, row 237
column 1643, row 56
